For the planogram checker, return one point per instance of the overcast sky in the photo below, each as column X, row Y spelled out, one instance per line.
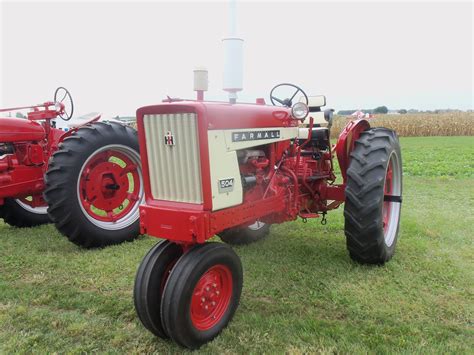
column 117, row 56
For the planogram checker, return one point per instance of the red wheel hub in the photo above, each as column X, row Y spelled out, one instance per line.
column 109, row 186
column 211, row 297
column 388, row 188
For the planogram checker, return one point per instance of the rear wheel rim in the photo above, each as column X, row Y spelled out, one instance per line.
column 110, row 187
column 256, row 226
column 211, row 297
column 27, row 204
column 391, row 209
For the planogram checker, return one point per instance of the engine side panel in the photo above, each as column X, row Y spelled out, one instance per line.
column 223, row 146
column 226, row 184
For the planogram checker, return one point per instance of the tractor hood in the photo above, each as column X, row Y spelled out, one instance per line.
column 19, row 129
column 223, row 115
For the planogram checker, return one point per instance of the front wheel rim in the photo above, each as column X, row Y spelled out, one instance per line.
column 390, row 208
column 110, row 187
column 211, row 297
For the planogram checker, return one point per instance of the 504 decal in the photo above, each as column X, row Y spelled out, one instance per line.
column 226, row 185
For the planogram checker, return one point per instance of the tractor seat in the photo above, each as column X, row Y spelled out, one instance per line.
column 314, row 104
column 319, row 137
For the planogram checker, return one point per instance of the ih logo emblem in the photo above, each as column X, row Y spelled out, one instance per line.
column 169, row 138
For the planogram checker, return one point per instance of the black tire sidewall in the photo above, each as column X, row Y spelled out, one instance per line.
column 15, row 215
column 147, row 292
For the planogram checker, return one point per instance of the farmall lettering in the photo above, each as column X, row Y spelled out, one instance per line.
column 255, row 135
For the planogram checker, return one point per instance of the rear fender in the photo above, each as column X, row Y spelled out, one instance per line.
column 346, row 141
column 75, row 129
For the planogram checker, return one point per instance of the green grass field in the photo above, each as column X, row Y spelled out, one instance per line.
column 301, row 293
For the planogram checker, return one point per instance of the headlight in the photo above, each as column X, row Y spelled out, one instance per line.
column 299, row 111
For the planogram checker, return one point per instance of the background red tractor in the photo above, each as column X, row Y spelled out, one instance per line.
column 90, row 176
column 234, row 170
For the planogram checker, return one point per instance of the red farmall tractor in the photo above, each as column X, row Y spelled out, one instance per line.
column 234, row 170
column 90, row 176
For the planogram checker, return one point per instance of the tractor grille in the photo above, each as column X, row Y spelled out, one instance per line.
column 175, row 169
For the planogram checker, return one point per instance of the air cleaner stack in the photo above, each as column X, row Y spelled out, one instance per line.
column 233, row 56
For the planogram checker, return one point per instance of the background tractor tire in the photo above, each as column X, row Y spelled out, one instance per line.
column 19, row 214
column 373, row 197
column 245, row 235
column 94, row 185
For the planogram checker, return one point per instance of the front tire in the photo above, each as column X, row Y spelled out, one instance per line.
column 202, row 294
column 19, row 213
column 150, row 281
column 94, row 185
column 245, row 235
column 373, row 197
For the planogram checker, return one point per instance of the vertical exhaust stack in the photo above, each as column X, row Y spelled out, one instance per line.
column 233, row 56
column 201, row 82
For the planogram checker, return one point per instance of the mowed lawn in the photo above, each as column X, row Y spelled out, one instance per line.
column 302, row 293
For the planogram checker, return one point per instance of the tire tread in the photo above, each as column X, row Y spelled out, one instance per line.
column 364, row 196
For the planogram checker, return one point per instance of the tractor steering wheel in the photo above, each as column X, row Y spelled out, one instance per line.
column 63, row 97
column 288, row 102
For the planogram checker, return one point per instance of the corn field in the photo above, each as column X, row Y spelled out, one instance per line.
column 414, row 125
column 421, row 124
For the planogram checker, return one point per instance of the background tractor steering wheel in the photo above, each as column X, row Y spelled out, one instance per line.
column 288, row 102
column 62, row 96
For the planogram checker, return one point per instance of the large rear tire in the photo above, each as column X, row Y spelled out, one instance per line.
column 18, row 213
column 245, row 235
column 373, row 197
column 94, row 185
column 202, row 294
